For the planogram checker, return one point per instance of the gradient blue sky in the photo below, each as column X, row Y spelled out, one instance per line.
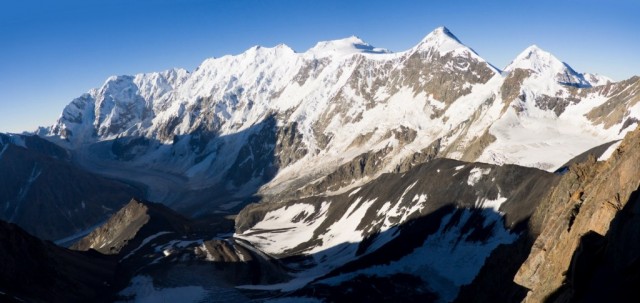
column 53, row 51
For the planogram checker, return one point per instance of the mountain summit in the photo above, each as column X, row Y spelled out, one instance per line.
column 344, row 47
column 441, row 40
column 545, row 65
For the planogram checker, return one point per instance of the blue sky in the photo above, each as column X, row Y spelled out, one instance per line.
column 53, row 51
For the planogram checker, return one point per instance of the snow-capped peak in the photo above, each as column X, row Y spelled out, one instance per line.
column 441, row 40
column 278, row 48
column 537, row 60
column 545, row 64
column 344, row 47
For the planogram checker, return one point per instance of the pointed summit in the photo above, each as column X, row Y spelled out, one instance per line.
column 537, row 60
column 343, row 47
column 441, row 40
column 442, row 32
column 545, row 64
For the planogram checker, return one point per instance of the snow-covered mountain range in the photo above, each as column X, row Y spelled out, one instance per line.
column 345, row 148
column 275, row 119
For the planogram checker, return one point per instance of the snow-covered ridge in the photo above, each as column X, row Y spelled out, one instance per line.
column 340, row 100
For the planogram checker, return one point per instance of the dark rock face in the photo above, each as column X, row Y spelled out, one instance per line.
column 443, row 76
column 622, row 96
column 447, row 185
column 495, row 282
column 364, row 165
column 42, row 191
column 556, row 104
column 511, row 88
column 33, row 270
column 131, row 225
column 256, row 159
column 425, row 155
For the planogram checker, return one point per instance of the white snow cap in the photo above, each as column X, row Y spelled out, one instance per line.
column 544, row 64
column 442, row 40
column 537, row 60
column 344, row 47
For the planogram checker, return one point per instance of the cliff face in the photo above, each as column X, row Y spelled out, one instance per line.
column 587, row 232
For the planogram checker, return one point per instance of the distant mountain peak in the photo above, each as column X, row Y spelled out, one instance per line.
column 536, row 59
column 443, row 32
column 441, row 40
column 345, row 46
column 545, row 64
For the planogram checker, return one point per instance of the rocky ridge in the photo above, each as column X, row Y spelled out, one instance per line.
column 585, row 225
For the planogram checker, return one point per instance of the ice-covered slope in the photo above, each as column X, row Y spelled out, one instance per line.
column 438, row 222
column 334, row 116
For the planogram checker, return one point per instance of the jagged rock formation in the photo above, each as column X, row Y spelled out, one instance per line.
column 33, row 270
column 494, row 282
column 46, row 194
column 586, row 234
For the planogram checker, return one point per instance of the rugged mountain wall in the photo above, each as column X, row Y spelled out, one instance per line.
column 494, row 282
column 280, row 124
column 586, row 232
column 46, row 194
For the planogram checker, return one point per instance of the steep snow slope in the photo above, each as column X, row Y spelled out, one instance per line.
column 330, row 118
column 438, row 222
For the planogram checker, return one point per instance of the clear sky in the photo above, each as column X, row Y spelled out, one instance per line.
column 53, row 51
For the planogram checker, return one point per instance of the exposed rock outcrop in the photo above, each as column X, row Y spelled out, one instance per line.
column 583, row 220
column 131, row 225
